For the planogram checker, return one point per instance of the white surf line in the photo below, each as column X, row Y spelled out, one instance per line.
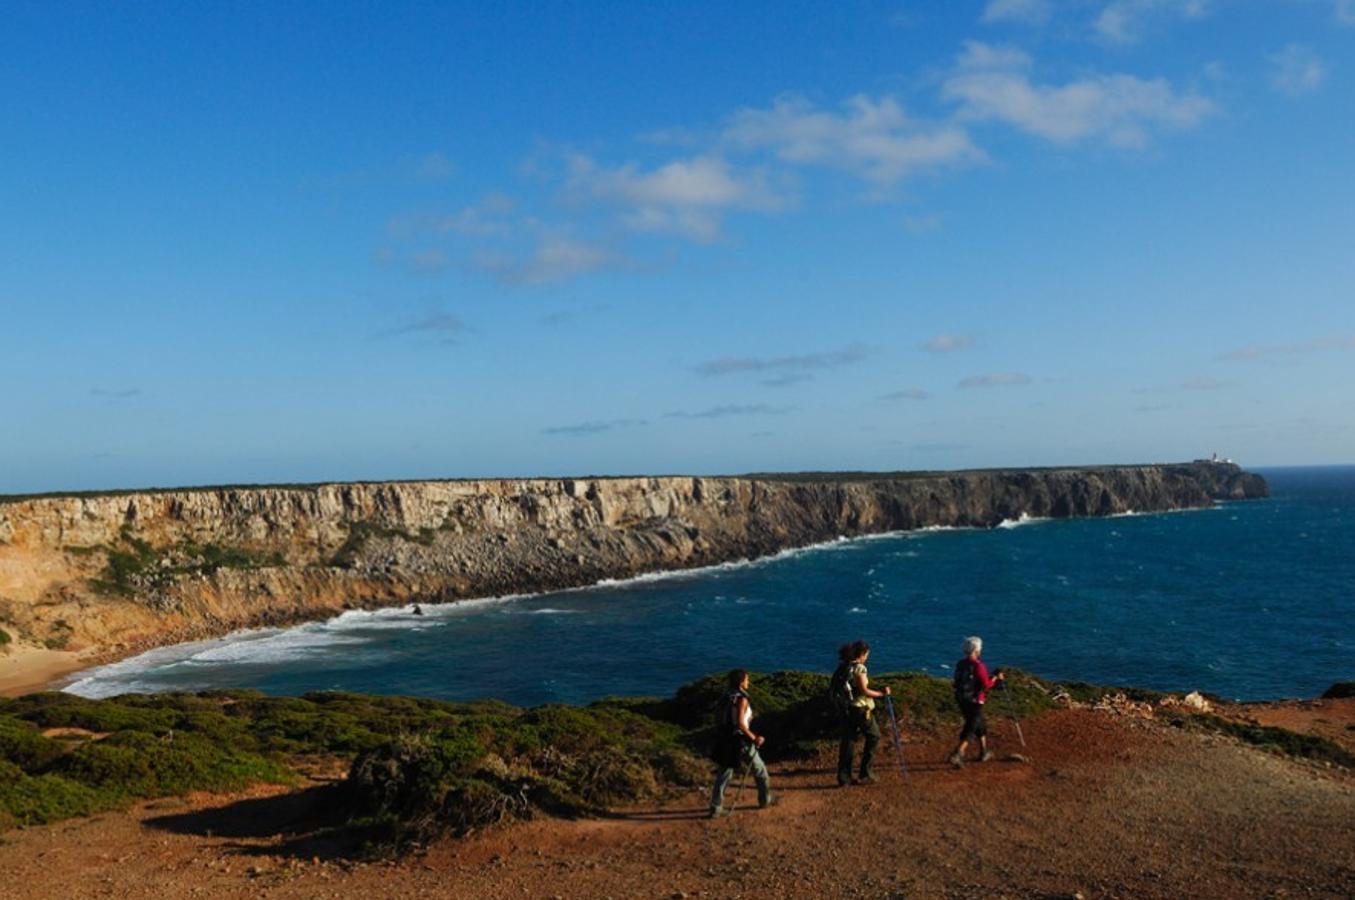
column 213, row 650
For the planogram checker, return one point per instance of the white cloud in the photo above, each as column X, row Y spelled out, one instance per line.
column 731, row 409
column 582, row 429
column 488, row 217
column 831, row 359
column 1123, row 21
column 923, row 224
column 945, row 343
column 905, row 394
column 1296, row 70
column 686, row 196
column 995, row 379
column 434, row 167
column 873, row 138
column 994, row 83
column 555, row 258
column 1032, row 12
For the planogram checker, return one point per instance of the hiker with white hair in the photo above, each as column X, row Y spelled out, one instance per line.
column 972, row 684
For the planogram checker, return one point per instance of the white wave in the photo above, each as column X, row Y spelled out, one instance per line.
column 1023, row 519
column 551, row 611
column 856, row 609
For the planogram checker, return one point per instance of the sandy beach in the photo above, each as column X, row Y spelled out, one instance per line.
column 25, row 669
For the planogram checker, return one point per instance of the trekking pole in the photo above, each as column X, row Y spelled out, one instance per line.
column 743, row 779
column 1011, row 711
column 894, row 727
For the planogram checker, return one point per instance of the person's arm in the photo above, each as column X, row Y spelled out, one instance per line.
column 739, row 710
column 985, row 680
column 865, row 690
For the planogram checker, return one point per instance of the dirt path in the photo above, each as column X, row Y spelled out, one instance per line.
column 1108, row 806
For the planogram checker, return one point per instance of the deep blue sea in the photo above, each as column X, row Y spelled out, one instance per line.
column 1249, row 600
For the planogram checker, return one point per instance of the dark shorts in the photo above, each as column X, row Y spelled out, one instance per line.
column 974, row 726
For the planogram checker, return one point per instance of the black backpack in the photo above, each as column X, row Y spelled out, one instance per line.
column 841, row 691
column 729, row 720
column 966, row 682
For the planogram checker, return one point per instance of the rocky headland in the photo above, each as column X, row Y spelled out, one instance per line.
column 115, row 572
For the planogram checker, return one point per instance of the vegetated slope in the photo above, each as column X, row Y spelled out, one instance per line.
column 1117, row 797
column 131, row 569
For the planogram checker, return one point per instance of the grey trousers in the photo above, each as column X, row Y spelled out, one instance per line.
column 749, row 760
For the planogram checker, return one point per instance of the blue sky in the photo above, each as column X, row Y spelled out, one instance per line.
column 301, row 242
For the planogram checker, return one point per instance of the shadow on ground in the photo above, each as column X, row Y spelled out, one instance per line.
column 300, row 824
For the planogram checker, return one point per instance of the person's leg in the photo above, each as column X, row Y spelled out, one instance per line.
column 764, row 781
column 872, row 731
column 981, row 729
column 844, row 748
column 968, row 710
column 717, row 793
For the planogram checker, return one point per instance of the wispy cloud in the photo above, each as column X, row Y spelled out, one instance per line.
column 594, row 427
column 994, row 83
column 434, row 167
column 786, row 379
column 1259, row 351
column 1344, row 11
column 430, row 261
column 802, row 362
column 561, row 317
column 488, row 217
column 555, row 258
column 1296, row 70
column 731, row 409
column 994, row 379
column 1031, row 12
column 115, row 393
column 922, row 224
column 871, row 137
column 685, row 196
column 437, row 323
column 905, row 394
column 946, row 343
column 1124, row 21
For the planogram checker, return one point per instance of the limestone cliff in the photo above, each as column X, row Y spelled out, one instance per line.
column 124, row 570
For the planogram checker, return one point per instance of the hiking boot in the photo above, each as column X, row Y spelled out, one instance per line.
column 718, row 812
column 844, row 782
column 770, row 801
column 956, row 760
column 867, row 778
column 987, row 756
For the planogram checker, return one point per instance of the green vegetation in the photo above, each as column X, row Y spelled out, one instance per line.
column 420, row 768
column 133, row 563
column 1278, row 740
column 4, row 637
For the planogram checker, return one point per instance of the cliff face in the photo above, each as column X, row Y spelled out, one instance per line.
column 124, row 570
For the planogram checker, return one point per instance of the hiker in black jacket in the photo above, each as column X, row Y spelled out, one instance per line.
column 855, row 699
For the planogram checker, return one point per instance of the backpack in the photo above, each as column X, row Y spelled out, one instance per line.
column 841, row 691
column 966, row 681
column 729, row 720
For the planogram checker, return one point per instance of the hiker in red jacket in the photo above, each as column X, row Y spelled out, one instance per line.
column 972, row 684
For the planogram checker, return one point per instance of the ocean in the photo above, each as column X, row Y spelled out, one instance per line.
column 1248, row 600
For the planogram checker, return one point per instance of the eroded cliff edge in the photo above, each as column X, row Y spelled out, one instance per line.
column 128, row 570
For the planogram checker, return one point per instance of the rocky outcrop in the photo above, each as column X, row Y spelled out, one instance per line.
column 131, row 569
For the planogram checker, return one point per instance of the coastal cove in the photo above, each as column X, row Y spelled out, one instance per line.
column 1175, row 602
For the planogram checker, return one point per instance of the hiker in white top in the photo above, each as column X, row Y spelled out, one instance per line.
column 736, row 746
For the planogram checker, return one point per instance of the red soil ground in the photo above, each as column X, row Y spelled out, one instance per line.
column 1107, row 806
